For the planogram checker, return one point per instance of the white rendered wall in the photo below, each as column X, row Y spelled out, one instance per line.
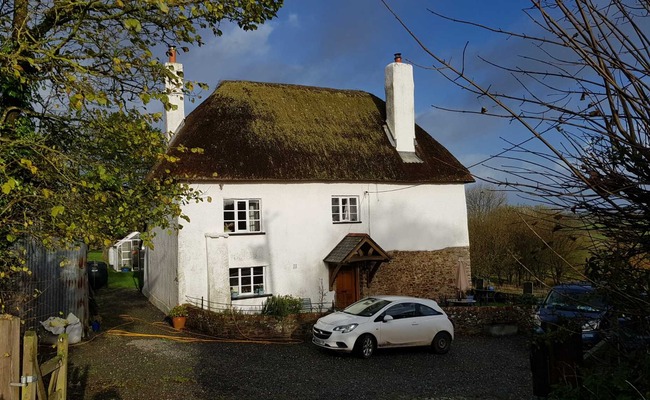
column 299, row 233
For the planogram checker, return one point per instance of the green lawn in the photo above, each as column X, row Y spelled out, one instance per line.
column 116, row 279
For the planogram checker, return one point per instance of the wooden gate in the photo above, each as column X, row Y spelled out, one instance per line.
column 30, row 384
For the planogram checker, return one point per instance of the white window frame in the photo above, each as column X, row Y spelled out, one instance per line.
column 244, row 217
column 247, row 281
column 345, row 209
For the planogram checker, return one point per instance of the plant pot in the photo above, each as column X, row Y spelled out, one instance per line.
column 179, row 322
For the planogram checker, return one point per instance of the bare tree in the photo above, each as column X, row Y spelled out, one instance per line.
column 584, row 98
column 482, row 198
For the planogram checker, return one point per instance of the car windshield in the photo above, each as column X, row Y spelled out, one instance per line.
column 580, row 301
column 366, row 307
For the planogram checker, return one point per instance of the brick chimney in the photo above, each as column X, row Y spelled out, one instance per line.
column 174, row 89
column 400, row 105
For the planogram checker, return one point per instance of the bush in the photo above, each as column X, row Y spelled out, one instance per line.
column 281, row 306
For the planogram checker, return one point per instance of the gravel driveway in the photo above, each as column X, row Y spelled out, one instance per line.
column 141, row 367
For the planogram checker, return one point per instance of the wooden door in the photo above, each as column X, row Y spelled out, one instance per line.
column 347, row 289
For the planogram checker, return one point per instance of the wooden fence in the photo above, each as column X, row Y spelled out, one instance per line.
column 30, row 384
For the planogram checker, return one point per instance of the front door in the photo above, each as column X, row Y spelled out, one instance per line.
column 347, row 288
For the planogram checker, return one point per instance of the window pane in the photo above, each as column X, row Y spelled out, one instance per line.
column 241, row 226
column 241, row 215
column 234, row 282
column 228, row 205
column 253, row 204
column 234, row 272
column 245, row 281
column 255, row 226
column 353, row 201
column 258, row 270
column 229, row 215
column 335, row 201
column 245, row 272
column 241, row 205
column 258, row 280
column 246, row 289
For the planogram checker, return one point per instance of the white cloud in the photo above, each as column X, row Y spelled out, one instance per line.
column 293, row 20
column 236, row 42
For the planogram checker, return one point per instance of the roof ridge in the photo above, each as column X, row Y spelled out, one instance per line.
column 291, row 85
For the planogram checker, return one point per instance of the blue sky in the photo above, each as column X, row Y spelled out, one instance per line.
column 346, row 44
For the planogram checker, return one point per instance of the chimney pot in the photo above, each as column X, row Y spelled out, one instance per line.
column 172, row 54
column 398, row 57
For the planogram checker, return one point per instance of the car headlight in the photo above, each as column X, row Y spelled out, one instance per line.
column 345, row 328
column 591, row 325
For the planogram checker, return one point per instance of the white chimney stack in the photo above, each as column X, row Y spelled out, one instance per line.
column 174, row 89
column 400, row 104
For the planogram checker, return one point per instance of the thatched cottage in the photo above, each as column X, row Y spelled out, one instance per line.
column 319, row 193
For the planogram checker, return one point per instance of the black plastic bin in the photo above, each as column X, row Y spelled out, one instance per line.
column 97, row 274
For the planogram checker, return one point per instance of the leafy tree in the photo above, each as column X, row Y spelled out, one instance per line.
column 583, row 99
column 514, row 243
column 75, row 143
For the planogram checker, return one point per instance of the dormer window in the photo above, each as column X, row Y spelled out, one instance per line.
column 345, row 209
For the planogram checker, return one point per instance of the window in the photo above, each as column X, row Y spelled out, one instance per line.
column 242, row 215
column 402, row 310
column 246, row 281
column 425, row 311
column 345, row 208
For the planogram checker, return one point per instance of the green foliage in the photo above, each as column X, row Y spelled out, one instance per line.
column 281, row 306
column 178, row 311
column 76, row 142
column 517, row 243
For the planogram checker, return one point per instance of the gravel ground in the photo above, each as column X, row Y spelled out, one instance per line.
column 140, row 367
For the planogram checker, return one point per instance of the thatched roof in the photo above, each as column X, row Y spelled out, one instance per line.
column 253, row 131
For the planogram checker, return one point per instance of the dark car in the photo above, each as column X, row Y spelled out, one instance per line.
column 574, row 304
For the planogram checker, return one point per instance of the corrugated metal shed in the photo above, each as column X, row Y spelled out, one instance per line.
column 58, row 284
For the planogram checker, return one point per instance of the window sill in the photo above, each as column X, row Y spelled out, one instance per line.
column 244, row 233
column 346, row 222
column 250, row 296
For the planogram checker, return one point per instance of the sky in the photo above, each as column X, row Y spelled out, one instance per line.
column 345, row 44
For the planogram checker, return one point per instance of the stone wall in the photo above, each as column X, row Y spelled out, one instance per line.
column 428, row 274
column 238, row 325
column 468, row 321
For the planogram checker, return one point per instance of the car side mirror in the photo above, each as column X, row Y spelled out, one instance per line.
column 388, row 318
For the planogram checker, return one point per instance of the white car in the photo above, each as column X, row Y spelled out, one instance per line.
column 382, row 322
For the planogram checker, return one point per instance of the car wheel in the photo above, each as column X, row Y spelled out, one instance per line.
column 365, row 346
column 441, row 343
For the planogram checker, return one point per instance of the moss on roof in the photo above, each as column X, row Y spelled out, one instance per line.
column 252, row 131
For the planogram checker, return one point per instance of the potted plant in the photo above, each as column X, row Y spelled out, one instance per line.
column 178, row 314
